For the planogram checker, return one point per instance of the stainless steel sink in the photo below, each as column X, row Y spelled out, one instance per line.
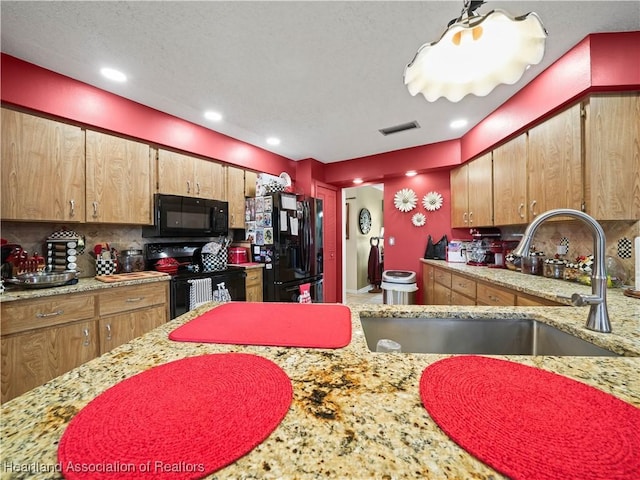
column 489, row 336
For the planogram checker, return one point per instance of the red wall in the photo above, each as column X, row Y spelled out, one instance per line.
column 411, row 241
column 40, row 90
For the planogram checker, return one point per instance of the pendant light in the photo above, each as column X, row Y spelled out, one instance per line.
column 475, row 54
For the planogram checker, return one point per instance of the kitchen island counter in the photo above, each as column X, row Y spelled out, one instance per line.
column 355, row 413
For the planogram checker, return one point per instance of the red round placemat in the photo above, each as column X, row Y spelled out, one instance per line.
column 532, row 424
column 183, row 419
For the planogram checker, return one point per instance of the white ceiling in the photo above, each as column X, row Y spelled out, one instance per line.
column 324, row 76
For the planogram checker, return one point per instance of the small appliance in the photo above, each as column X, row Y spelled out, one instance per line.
column 500, row 249
column 238, row 255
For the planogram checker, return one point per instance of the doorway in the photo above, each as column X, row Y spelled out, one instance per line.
column 358, row 240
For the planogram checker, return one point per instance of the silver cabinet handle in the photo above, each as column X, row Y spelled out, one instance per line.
column 188, row 186
column 52, row 314
column 464, row 217
column 108, row 327
column 95, row 209
column 134, row 299
column 520, row 212
column 532, row 208
column 73, row 207
column 87, row 338
column 493, row 299
column 470, row 218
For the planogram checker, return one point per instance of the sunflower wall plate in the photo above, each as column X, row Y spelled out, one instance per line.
column 405, row 200
column 418, row 219
column 432, row 201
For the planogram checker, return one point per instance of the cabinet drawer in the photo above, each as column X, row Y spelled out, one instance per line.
column 459, row 299
column 254, row 277
column 463, row 285
column 122, row 299
column 31, row 314
column 487, row 295
column 530, row 301
column 442, row 277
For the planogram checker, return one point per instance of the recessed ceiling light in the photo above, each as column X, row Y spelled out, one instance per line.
column 459, row 123
column 357, row 181
column 273, row 141
column 411, row 173
column 215, row 116
column 114, row 75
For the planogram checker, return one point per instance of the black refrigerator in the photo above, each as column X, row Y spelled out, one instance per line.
column 285, row 231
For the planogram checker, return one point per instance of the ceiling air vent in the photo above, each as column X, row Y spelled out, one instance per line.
column 399, row 128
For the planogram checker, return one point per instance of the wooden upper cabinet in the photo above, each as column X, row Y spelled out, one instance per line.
column 118, row 180
column 510, row 182
column 555, row 163
column 189, row 176
column 43, row 171
column 471, row 193
column 459, row 197
column 481, row 191
column 612, row 187
column 235, row 196
column 250, row 179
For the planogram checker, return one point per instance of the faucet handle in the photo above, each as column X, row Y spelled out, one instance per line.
column 580, row 300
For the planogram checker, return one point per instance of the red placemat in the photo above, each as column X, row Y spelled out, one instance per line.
column 532, row 424
column 314, row 325
column 183, row 419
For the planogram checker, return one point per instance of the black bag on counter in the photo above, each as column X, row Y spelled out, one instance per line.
column 438, row 250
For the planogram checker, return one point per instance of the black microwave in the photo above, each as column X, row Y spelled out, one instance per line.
column 177, row 216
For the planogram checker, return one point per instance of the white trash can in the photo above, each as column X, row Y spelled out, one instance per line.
column 399, row 287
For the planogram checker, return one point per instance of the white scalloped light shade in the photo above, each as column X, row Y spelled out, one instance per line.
column 475, row 58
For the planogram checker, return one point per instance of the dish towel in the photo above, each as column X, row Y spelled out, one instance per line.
column 200, row 292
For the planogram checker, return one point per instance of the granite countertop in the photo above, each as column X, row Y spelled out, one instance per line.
column 355, row 413
column 13, row 293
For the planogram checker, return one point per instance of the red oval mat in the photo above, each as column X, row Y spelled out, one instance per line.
column 183, row 419
column 532, row 424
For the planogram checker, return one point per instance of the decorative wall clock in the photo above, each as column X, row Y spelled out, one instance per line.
column 364, row 220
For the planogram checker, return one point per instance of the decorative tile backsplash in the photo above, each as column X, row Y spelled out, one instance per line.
column 577, row 237
column 32, row 237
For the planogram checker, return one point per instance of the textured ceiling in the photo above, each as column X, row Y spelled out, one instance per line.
column 322, row 76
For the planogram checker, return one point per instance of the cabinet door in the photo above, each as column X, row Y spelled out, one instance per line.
column 480, row 190
column 43, row 171
column 253, row 285
column 235, row 196
column 555, row 163
column 175, row 173
column 459, row 197
column 441, row 294
column 122, row 328
column 33, row 358
column 250, row 179
column 205, row 185
column 118, row 180
column 613, row 157
column 427, row 284
column 510, row 182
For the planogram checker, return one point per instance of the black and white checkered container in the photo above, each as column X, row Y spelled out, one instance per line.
column 105, row 266
column 215, row 263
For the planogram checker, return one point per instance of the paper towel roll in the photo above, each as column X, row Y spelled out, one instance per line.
column 637, row 253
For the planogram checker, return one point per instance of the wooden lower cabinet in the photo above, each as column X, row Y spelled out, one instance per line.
column 32, row 358
column 46, row 337
column 443, row 287
column 253, row 285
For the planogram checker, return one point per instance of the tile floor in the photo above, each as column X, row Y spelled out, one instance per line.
column 353, row 298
